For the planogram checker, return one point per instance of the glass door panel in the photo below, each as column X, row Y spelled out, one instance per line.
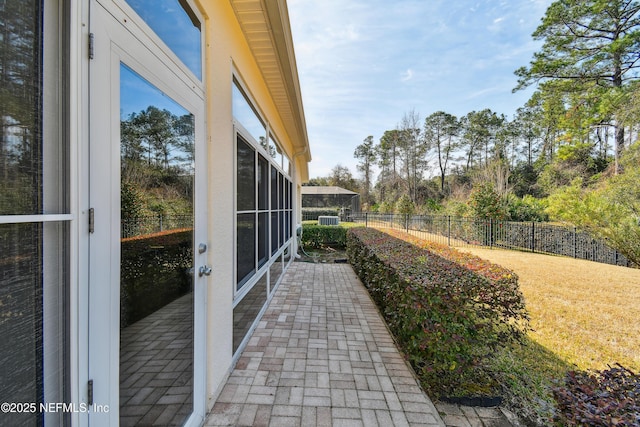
column 157, row 173
column 146, row 319
column 177, row 25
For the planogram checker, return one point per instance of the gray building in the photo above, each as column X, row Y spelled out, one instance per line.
column 330, row 197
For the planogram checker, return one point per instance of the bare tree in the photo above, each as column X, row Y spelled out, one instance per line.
column 366, row 153
column 441, row 131
column 412, row 152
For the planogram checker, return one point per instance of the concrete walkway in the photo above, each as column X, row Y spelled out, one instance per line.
column 322, row 356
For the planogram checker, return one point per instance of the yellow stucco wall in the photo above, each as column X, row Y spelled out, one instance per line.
column 226, row 53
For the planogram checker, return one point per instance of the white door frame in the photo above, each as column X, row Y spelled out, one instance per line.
column 117, row 39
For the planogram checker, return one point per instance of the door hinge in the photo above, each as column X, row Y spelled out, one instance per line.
column 90, row 392
column 90, row 45
column 91, row 221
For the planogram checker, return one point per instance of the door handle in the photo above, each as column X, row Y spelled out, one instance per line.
column 205, row 270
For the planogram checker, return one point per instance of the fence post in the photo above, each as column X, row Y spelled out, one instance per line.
column 491, row 233
column 366, row 219
column 449, row 229
column 575, row 242
column 533, row 236
column 406, row 223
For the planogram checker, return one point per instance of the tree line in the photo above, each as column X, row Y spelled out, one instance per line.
column 157, row 163
column 575, row 138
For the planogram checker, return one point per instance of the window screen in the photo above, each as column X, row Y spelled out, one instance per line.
column 33, row 181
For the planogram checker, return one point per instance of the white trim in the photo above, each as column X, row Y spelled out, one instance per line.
column 282, row 153
column 79, row 200
column 269, row 133
column 249, row 284
column 21, row 219
column 270, row 294
column 244, row 90
column 238, row 129
column 120, row 41
column 144, row 31
column 254, row 325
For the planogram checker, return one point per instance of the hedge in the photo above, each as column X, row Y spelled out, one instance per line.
column 495, row 273
column 317, row 236
column 601, row 398
column 446, row 318
column 155, row 270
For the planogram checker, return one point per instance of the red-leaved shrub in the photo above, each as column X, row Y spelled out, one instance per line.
column 446, row 318
column 602, row 398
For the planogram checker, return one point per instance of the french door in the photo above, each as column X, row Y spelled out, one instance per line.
column 147, row 235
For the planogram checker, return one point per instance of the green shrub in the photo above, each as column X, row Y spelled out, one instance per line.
column 405, row 206
column 526, row 209
column 457, row 209
column 610, row 210
column 446, row 318
column 432, row 206
column 317, row 236
column 131, row 203
column 155, row 271
column 386, row 207
column 486, row 203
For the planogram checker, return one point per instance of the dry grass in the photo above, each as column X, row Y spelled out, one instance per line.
column 584, row 315
column 587, row 313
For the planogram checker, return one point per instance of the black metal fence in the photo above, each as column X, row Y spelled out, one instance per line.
column 309, row 214
column 153, row 224
column 528, row 236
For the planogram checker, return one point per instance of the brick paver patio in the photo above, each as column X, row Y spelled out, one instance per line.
column 322, row 355
column 156, row 369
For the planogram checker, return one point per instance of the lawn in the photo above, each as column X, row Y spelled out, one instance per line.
column 586, row 313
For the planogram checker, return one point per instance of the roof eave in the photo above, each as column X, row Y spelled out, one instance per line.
column 276, row 59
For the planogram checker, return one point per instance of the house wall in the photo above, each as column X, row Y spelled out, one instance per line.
column 67, row 272
column 228, row 54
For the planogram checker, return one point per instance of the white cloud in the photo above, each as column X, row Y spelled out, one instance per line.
column 407, row 75
column 343, row 34
column 350, row 55
column 496, row 25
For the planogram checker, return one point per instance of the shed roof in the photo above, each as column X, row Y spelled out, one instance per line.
column 314, row 189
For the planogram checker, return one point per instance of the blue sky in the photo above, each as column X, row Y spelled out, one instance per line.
column 137, row 94
column 169, row 19
column 362, row 64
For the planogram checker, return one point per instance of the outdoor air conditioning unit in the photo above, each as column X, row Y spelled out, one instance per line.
column 328, row 220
